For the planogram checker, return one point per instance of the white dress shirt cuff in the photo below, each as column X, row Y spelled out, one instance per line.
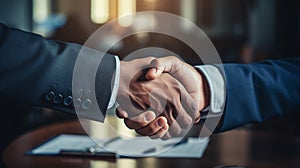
column 115, row 84
column 217, row 87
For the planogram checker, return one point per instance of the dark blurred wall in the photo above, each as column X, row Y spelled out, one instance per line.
column 262, row 28
column 274, row 28
column 16, row 13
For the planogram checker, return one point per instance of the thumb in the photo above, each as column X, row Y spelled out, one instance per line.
column 169, row 64
column 121, row 113
column 181, row 71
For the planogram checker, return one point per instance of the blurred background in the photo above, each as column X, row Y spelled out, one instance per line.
column 242, row 32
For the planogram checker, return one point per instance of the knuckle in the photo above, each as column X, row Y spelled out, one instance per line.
column 151, row 129
column 155, row 136
column 155, row 62
column 166, row 136
column 187, row 122
column 174, row 58
column 175, row 131
column 129, row 124
column 141, row 132
column 151, row 58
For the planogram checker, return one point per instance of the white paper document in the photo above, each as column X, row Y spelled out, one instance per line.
column 134, row 147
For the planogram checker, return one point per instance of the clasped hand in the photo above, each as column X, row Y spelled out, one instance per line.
column 160, row 97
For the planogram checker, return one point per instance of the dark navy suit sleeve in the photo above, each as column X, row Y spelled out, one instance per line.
column 39, row 71
column 259, row 91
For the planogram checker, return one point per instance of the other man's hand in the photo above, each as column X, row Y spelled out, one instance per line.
column 177, row 104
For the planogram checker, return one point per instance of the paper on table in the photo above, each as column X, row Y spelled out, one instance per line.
column 135, row 147
column 63, row 141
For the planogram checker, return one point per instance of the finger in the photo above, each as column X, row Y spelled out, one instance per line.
column 180, row 70
column 188, row 110
column 140, row 121
column 181, row 114
column 152, row 74
column 172, row 108
column 158, row 100
column 153, row 127
column 184, row 119
column 132, row 105
column 121, row 113
column 160, row 133
column 169, row 64
column 127, row 108
column 166, row 136
column 174, row 127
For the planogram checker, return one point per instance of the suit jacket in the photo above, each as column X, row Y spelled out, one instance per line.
column 39, row 71
column 258, row 91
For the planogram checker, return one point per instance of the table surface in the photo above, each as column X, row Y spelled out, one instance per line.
column 240, row 147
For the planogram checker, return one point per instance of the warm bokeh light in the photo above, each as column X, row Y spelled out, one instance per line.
column 188, row 11
column 41, row 13
column 99, row 11
column 126, row 7
column 41, row 10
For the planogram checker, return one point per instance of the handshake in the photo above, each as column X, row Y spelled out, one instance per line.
column 161, row 97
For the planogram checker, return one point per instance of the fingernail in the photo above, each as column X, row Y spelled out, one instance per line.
column 149, row 116
column 165, row 127
column 160, row 123
column 155, row 72
column 123, row 114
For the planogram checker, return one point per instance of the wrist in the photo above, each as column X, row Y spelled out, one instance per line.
column 206, row 92
column 203, row 90
column 122, row 81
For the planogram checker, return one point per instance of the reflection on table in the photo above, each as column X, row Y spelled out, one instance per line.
column 241, row 147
